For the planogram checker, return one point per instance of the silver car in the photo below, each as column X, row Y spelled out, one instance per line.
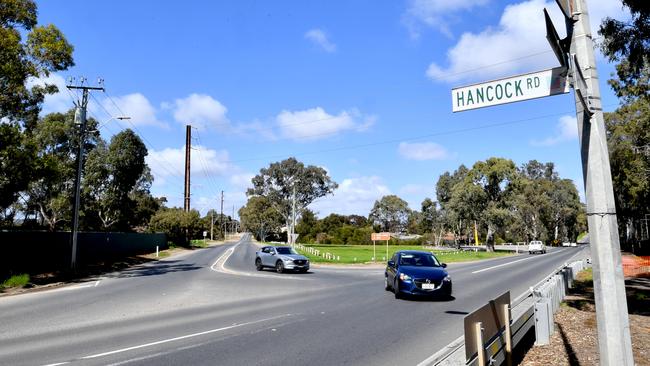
column 281, row 258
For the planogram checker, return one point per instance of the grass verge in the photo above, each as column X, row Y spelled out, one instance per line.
column 15, row 281
column 350, row 254
column 198, row 243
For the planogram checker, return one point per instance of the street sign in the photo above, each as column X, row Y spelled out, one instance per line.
column 380, row 236
column 567, row 7
column 580, row 85
column 513, row 89
column 559, row 46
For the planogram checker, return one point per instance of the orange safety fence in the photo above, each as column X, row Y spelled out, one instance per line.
column 634, row 266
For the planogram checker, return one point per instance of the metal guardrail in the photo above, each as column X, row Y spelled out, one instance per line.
column 532, row 309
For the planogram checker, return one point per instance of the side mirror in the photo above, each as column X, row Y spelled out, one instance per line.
column 444, row 265
column 391, row 263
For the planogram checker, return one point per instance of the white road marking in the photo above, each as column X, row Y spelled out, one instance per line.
column 509, row 263
column 220, row 266
column 84, row 285
column 57, row 364
column 122, row 350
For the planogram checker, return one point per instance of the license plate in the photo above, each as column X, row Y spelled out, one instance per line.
column 428, row 286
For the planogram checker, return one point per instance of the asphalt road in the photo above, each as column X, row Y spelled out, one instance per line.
column 211, row 307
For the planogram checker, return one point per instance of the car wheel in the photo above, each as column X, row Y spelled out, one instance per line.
column 386, row 285
column 258, row 264
column 398, row 295
column 530, row 252
column 279, row 267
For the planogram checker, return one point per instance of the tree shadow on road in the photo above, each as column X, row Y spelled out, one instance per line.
column 153, row 269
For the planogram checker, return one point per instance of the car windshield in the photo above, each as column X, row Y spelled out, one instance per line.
column 286, row 250
column 419, row 260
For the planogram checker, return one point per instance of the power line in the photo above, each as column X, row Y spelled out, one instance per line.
column 488, row 66
column 412, row 138
column 170, row 173
column 138, row 132
column 204, row 165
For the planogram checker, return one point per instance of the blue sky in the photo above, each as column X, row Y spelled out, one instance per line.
column 361, row 88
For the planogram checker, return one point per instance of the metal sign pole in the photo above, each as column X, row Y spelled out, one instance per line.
column 609, row 288
column 386, row 249
column 374, row 252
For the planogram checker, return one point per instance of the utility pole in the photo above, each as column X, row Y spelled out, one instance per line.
column 79, row 119
column 221, row 217
column 293, row 216
column 614, row 340
column 188, row 146
column 212, row 226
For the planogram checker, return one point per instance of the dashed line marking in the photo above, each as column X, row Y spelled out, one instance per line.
column 509, row 263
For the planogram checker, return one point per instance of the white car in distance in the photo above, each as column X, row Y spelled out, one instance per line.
column 536, row 246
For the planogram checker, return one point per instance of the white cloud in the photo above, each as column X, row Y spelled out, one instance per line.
column 517, row 44
column 137, row 107
column 201, row 111
column 256, row 128
column 242, row 181
column 414, row 194
column 416, row 189
column 60, row 101
column 422, row 151
column 319, row 38
column 435, row 13
column 354, row 196
column 566, row 130
column 315, row 123
column 205, row 163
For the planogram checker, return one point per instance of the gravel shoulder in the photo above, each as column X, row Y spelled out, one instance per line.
column 575, row 340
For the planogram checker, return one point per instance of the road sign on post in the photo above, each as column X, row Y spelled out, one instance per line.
column 559, row 46
column 614, row 340
column 512, row 89
column 380, row 236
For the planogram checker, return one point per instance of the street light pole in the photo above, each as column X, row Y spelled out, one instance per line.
column 80, row 119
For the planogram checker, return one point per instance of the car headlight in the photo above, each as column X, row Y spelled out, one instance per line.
column 288, row 260
column 404, row 277
column 447, row 278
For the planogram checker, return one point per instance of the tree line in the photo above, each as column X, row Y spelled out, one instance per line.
column 39, row 154
column 504, row 202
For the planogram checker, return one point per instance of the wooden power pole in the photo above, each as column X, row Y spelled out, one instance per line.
column 188, row 147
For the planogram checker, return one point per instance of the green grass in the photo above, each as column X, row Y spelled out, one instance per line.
column 16, row 281
column 198, row 243
column 364, row 253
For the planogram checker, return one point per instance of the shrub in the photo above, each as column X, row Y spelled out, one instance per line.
column 16, row 281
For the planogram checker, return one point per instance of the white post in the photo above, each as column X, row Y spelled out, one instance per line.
column 156, row 251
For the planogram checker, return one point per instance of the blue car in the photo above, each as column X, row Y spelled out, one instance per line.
column 411, row 272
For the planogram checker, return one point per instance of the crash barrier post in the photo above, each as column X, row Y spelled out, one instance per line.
column 532, row 311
